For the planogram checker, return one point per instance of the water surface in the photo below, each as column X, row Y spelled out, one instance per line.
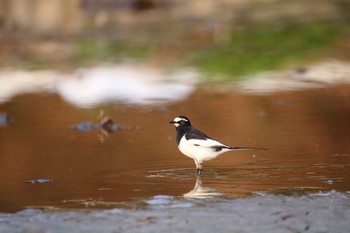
column 306, row 133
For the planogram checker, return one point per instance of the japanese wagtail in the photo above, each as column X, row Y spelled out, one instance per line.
column 197, row 145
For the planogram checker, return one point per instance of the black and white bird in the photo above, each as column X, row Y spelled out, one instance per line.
column 198, row 146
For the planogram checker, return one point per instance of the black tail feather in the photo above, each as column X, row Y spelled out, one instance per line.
column 246, row 148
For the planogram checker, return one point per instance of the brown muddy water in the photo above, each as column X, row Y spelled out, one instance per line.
column 46, row 162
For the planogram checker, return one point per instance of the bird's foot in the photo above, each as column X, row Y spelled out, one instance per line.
column 198, row 171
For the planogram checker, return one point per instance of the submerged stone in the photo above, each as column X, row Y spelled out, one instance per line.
column 4, row 119
column 39, row 181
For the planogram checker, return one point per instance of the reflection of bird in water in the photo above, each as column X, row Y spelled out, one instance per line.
column 198, row 146
column 202, row 192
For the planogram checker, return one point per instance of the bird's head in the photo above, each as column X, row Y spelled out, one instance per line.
column 180, row 121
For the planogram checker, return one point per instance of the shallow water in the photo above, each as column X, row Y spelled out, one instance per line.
column 321, row 212
column 306, row 133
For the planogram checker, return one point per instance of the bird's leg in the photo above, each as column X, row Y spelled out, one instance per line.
column 198, row 168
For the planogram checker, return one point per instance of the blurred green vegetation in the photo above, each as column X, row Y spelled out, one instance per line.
column 264, row 48
column 247, row 51
column 97, row 50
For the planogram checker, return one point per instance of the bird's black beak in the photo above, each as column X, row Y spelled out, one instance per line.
column 172, row 122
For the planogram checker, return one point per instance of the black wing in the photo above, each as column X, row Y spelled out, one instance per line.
column 195, row 134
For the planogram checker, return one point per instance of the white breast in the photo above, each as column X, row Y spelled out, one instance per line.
column 200, row 149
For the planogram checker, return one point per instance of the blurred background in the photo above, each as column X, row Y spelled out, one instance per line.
column 230, row 37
